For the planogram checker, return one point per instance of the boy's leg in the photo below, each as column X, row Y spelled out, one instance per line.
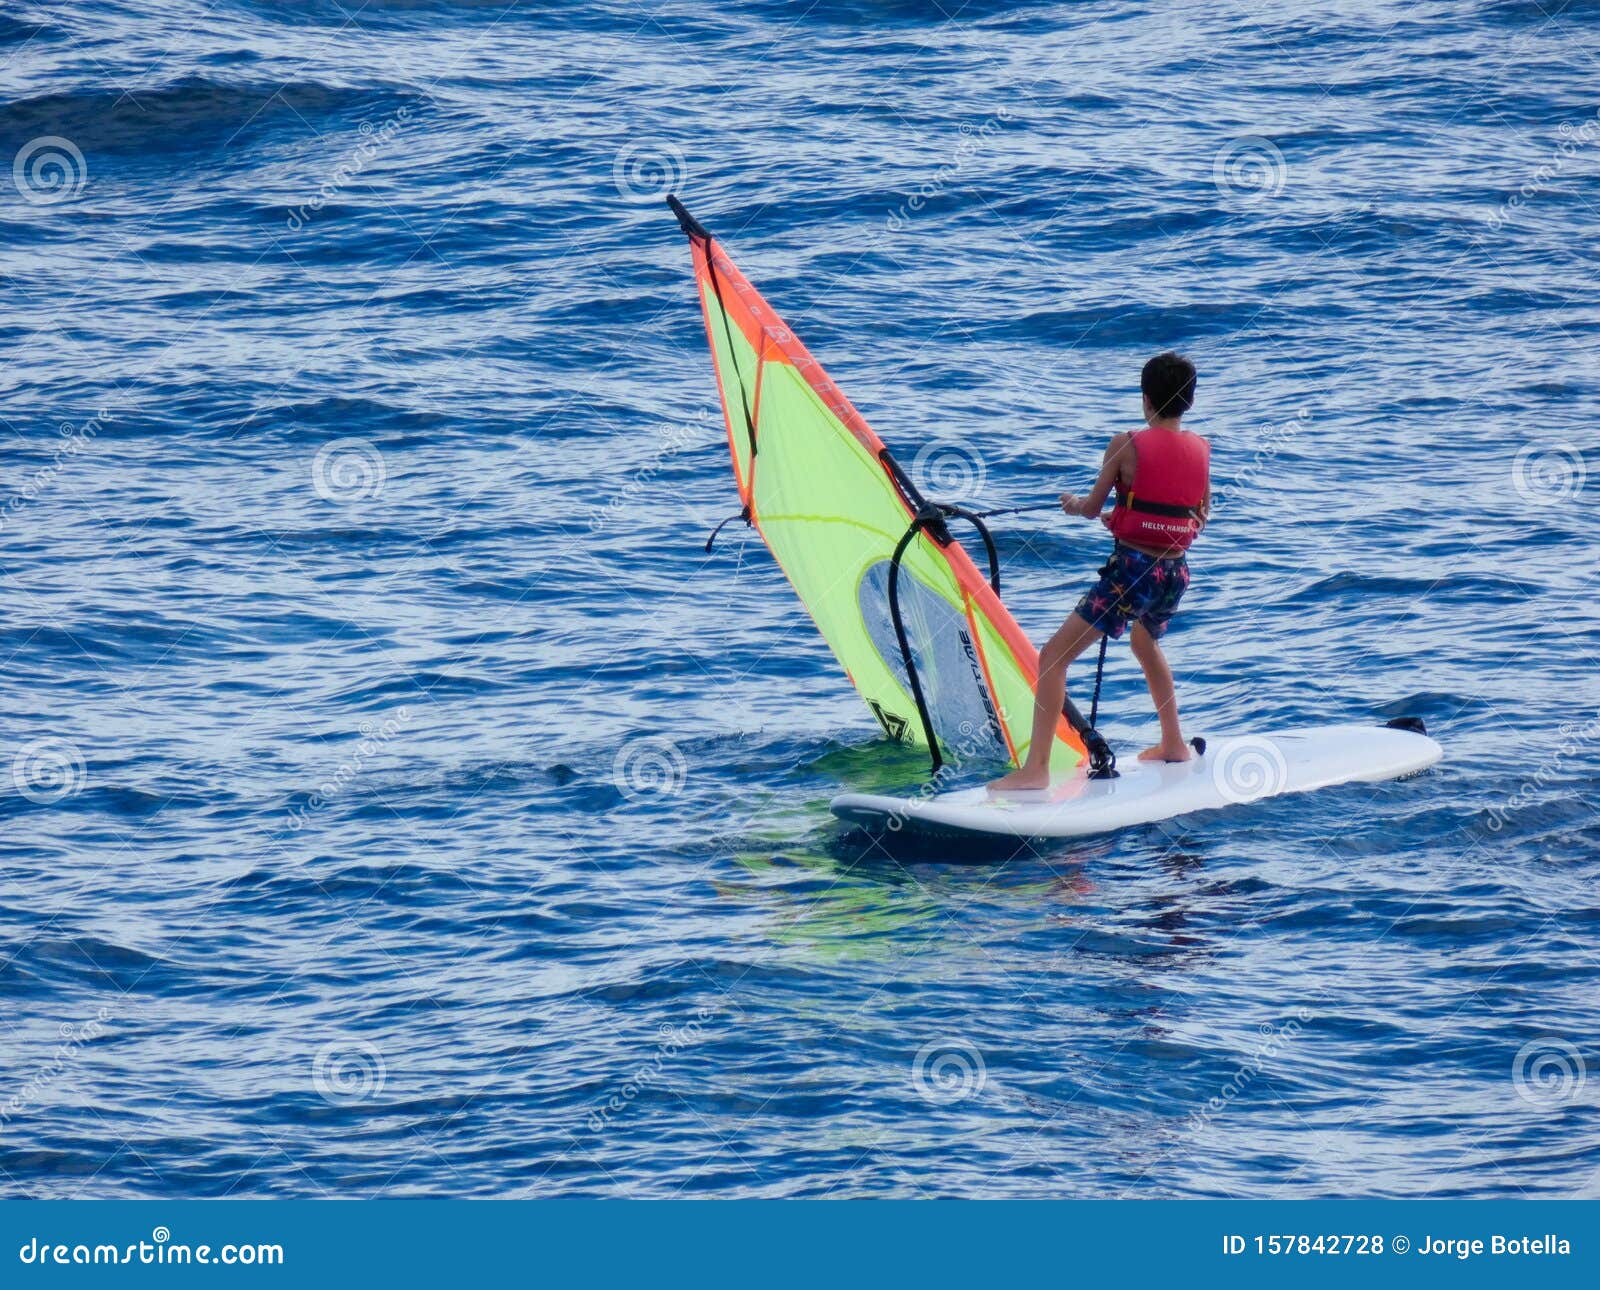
column 1076, row 635
column 1158, row 676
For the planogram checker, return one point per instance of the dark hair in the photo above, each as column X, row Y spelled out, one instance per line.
column 1168, row 382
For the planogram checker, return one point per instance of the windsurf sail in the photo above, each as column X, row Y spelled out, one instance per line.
column 921, row 633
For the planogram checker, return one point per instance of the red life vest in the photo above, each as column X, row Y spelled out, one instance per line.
column 1171, row 473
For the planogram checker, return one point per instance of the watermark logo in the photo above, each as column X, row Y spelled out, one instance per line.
column 1249, row 169
column 160, row 1250
column 1574, row 139
column 970, row 141
column 1548, row 1072
column 348, row 1071
column 1270, row 444
column 1543, row 474
column 73, row 1036
column 1274, row 1038
column 374, row 138
column 649, row 766
column 348, row 470
column 647, row 172
column 374, row 738
column 948, row 1070
column 49, row 170
column 74, row 442
column 967, row 747
column 1576, row 741
column 639, row 488
column 672, row 1041
column 1248, row 769
column 48, row 771
column 946, row 469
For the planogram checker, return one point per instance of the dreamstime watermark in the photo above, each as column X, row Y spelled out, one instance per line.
column 1549, row 1072
column 373, row 739
column 648, row 171
column 348, row 470
column 958, row 754
column 374, row 139
column 73, row 1037
column 971, row 140
column 1574, row 138
column 627, row 498
column 1576, row 740
column 1269, row 444
column 160, row 1250
column 47, row 771
column 347, row 1071
column 1273, row 1040
column 672, row 1040
column 1544, row 474
column 947, row 469
column 649, row 766
column 1248, row 769
column 1249, row 169
column 948, row 1070
column 74, row 440
column 49, row 170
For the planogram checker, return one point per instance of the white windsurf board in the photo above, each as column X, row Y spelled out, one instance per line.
column 1234, row 769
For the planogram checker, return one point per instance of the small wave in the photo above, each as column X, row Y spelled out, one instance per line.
column 192, row 114
column 399, row 883
column 417, row 686
column 89, row 961
column 1361, row 584
column 312, row 421
column 853, row 15
column 1115, row 326
column 18, row 31
column 165, row 641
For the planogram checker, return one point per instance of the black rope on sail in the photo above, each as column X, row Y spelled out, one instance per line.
column 695, row 229
column 928, row 516
column 744, row 514
column 1102, row 761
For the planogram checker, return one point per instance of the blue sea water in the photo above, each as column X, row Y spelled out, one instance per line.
column 397, row 798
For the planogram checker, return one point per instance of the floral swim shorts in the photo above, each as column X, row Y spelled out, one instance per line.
column 1138, row 587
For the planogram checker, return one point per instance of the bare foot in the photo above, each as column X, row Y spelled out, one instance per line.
column 1023, row 777
column 1164, row 752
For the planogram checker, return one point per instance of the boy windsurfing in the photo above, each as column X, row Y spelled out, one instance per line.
column 1162, row 477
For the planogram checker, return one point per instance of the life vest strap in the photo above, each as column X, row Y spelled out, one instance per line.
column 1135, row 503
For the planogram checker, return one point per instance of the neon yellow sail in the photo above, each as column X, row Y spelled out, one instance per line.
column 832, row 506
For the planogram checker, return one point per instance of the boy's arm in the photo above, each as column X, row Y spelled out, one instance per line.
column 1091, row 505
